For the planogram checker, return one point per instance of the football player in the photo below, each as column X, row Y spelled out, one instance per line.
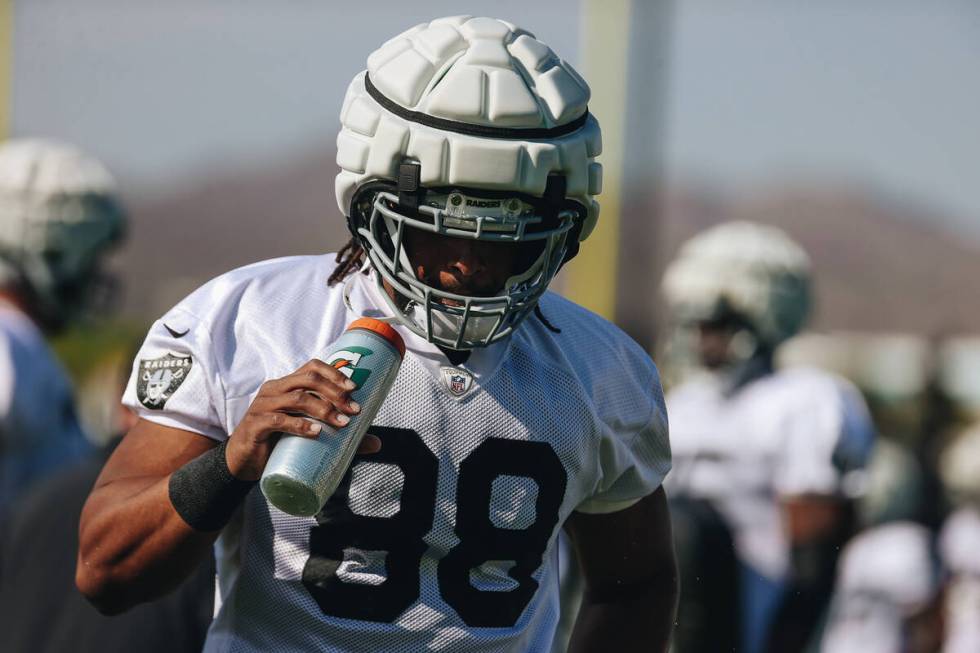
column 779, row 454
column 959, row 540
column 889, row 593
column 58, row 216
column 468, row 177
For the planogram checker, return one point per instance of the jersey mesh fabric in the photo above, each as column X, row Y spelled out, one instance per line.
column 561, row 420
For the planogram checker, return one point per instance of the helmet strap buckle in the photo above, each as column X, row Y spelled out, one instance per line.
column 410, row 189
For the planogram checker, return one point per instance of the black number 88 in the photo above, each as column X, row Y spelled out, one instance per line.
column 400, row 536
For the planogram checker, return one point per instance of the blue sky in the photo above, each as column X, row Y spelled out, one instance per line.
column 881, row 93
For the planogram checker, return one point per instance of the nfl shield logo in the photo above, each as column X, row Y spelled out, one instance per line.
column 458, row 381
column 457, row 384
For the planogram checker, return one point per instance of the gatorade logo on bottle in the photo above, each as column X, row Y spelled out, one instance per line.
column 346, row 361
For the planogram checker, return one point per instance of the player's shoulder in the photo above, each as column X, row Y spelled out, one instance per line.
column 826, row 408
column 586, row 340
column 581, row 330
column 696, row 384
column 31, row 378
column 610, row 369
column 23, row 348
column 794, row 386
column 265, row 287
column 789, row 386
column 18, row 331
column 805, row 393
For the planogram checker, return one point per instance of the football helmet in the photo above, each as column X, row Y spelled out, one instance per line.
column 753, row 275
column 468, row 128
column 58, row 215
column 959, row 467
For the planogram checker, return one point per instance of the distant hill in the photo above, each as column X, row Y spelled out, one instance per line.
column 880, row 265
column 180, row 240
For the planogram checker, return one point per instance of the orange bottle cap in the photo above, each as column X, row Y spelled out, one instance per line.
column 383, row 329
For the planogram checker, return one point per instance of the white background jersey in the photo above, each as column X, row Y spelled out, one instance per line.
column 793, row 432
column 444, row 539
column 959, row 543
column 885, row 575
column 39, row 431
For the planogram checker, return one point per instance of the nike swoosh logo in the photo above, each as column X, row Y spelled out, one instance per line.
column 175, row 334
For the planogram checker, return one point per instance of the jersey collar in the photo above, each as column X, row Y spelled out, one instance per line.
column 362, row 297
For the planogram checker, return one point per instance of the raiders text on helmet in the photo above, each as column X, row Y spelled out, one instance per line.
column 470, row 128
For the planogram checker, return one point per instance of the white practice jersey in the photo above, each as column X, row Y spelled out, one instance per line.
column 39, row 431
column 959, row 543
column 793, row 432
column 885, row 575
column 444, row 540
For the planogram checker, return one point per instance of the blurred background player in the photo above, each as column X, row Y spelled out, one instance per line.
column 58, row 217
column 889, row 593
column 959, row 540
column 777, row 453
column 42, row 610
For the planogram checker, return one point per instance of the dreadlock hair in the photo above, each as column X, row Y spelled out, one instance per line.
column 541, row 318
column 349, row 259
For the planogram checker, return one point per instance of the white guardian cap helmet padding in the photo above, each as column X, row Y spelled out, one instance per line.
column 756, row 272
column 58, row 214
column 469, row 128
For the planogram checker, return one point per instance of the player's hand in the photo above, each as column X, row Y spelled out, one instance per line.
column 317, row 390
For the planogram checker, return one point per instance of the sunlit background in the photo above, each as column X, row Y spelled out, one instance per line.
column 854, row 126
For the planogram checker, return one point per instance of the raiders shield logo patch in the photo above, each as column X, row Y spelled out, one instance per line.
column 457, row 380
column 160, row 377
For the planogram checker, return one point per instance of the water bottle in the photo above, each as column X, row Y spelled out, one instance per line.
column 302, row 473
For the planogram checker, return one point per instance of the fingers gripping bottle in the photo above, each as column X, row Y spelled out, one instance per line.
column 302, row 473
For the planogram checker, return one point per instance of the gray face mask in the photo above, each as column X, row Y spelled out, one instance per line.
column 448, row 319
column 448, row 327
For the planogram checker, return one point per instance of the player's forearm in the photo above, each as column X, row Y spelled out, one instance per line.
column 133, row 546
column 638, row 618
column 818, row 528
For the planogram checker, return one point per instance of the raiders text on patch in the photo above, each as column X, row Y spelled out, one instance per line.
column 160, row 377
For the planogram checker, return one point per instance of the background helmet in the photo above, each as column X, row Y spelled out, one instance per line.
column 753, row 273
column 469, row 128
column 959, row 467
column 58, row 215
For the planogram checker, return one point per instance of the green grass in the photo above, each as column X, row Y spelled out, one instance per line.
column 84, row 348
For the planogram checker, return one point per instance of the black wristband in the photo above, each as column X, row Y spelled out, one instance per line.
column 204, row 493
